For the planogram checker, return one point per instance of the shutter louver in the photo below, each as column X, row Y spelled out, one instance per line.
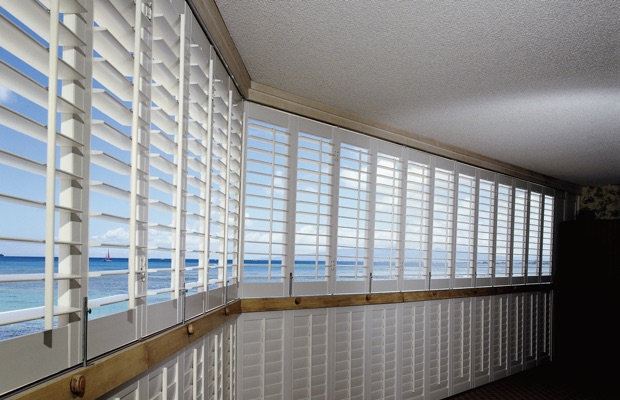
column 482, row 341
column 519, row 232
column 383, row 339
column 309, row 354
column 503, row 230
column 534, row 233
column 463, row 333
column 417, row 221
column 465, row 228
column 485, row 230
column 438, row 349
column 500, row 349
column 414, row 383
column 442, row 224
column 349, row 357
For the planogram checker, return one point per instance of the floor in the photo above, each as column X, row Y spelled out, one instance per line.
column 543, row 382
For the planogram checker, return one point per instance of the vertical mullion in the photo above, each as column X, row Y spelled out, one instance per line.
column 50, row 194
column 403, row 219
column 291, row 206
column 181, row 165
column 431, row 224
column 208, row 180
column 333, row 229
column 371, row 214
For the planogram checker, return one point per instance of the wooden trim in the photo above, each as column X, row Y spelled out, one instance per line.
column 209, row 17
column 109, row 372
column 271, row 97
column 349, row 300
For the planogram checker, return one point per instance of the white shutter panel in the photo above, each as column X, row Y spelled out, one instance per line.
column 465, row 229
column 485, row 229
column 382, row 340
column 266, row 202
column 193, row 382
column 548, row 220
column 501, row 345
column 438, row 349
column 464, row 331
column 519, row 233
column 309, row 354
column 516, row 331
column 503, row 230
column 313, row 207
column 534, row 233
column 545, row 321
column 482, row 341
column 530, row 329
column 352, row 269
column 417, row 221
column 262, row 356
column 388, row 201
column 414, row 341
column 163, row 381
column 441, row 256
column 349, row 356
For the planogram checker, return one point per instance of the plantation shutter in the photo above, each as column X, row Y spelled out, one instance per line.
column 261, row 344
column 503, row 230
column 349, row 355
column 414, row 343
column 516, row 331
column 438, row 349
column 531, row 329
column 193, row 371
column 519, row 233
column 485, row 229
column 266, row 203
column 388, row 203
column 310, row 354
column 198, row 173
column 383, row 339
column 44, row 163
column 548, row 223
column 534, row 233
column 545, row 321
column 441, row 256
column 354, row 202
column 482, row 341
column 416, row 244
column 313, row 208
column 168, row 165
column 464, row 332
column 465, row 227
column 500, row 344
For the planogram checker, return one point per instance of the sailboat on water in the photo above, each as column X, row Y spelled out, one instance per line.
column 107, row 257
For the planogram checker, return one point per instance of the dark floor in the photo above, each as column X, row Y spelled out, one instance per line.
column 544, row 382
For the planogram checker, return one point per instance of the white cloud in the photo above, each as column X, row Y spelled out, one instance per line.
column 5, row 94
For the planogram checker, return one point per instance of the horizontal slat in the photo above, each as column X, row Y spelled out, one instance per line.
column 163, row 142
column 108, row 105
column 111, row 245
column 161, row 52
column 29, row 314
column 110, row 190
column 112, row 79
column 103, row 301
column 119, row 23
column 112, row 50
column 21, row 201
column 67, row 6
column 162, row 164
column 163, row 76
column 159, row 291
column 110, row 163
column 160, row 205
column 161, row 185
column 162, row 228
column 37, row 18
column 32, row 52
column 163, row 120
column 195, row 146
column 109, row 272
column 164, row 99
column 27, row 87
column 109, row 217
column 35, row 277
column 109, row 134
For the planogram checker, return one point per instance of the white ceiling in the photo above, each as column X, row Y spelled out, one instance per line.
column 531, row 83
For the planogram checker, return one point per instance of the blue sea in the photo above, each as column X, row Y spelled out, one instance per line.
column 113, row 281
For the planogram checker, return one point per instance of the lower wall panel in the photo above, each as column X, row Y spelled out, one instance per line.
column 424, row 350
column 205, row 370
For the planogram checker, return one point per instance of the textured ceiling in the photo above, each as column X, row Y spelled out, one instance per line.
column 532, row 83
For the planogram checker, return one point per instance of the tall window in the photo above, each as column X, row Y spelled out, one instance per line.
column 266, row 202
column 486, row 224
column 313, row 207
column 441, row 240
